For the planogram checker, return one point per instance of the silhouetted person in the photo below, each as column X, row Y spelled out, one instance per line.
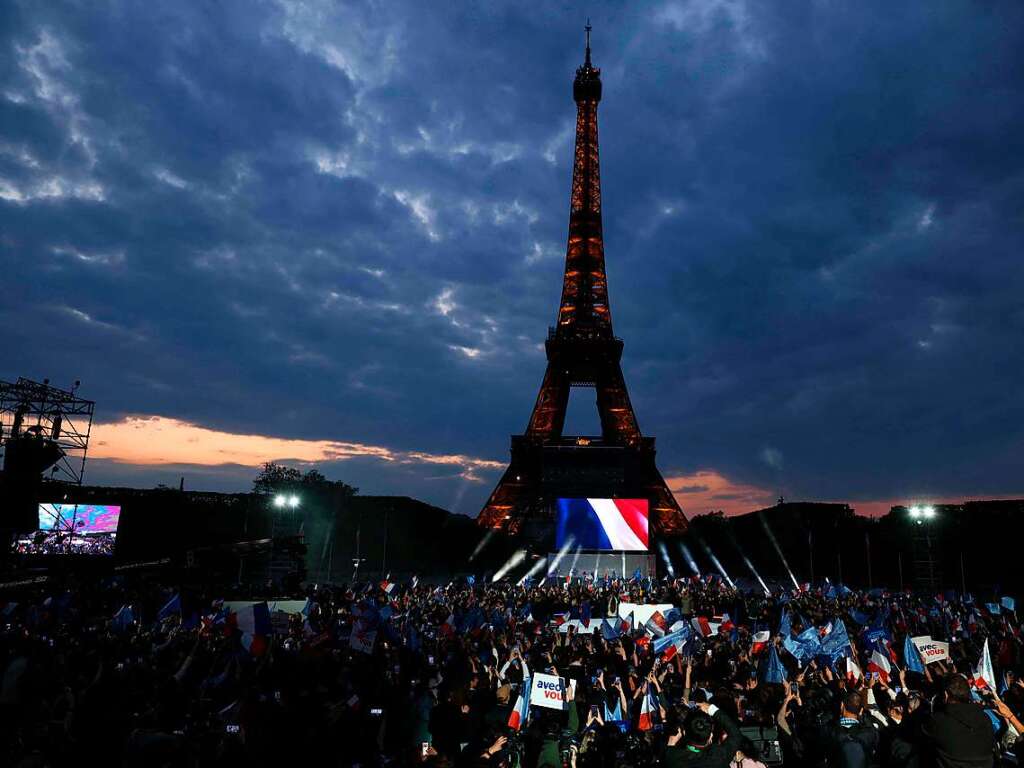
column 958, row 734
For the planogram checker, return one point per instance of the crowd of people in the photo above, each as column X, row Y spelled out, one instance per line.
column 582, row 671
column 65, row 543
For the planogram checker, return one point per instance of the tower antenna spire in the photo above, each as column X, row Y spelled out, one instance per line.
column 586, row 61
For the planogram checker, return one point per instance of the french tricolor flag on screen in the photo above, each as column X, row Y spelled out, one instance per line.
column 604, row 523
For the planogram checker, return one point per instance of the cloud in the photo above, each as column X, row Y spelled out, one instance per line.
column 314, row 219
column 708, row 491
column 155, row 440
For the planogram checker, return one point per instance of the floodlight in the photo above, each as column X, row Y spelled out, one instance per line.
column 280, row 501
column 293, row 501
column 929, row 512
column 915, row 512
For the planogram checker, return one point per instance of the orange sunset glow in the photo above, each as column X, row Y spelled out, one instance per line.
column 155, row 440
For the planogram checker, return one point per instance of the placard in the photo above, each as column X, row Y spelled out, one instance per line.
column 548, row 691
column 931, row 650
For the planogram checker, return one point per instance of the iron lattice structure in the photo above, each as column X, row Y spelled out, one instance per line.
column 582, row 351
column 38, row 414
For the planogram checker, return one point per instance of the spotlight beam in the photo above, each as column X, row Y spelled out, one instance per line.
column 517, row 557
column 715, row 561
column 483, row 543
column 534, row 570
column 561, row 553
column 778, row 549
column 665, row 557
column 688, row 556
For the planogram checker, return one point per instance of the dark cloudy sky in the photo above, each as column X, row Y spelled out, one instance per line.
column 334, row 232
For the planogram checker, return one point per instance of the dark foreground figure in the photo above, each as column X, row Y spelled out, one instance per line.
column 131, row 671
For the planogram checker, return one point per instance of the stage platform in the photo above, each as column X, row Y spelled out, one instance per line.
column 604, row 563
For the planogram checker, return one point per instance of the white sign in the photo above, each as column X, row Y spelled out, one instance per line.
column 643, row 611
column 931, row 650
column 548, row 691
column 594, row 625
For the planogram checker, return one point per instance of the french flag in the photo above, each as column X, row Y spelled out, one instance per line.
column 253, row 622
column 604, row 523
column 702, row 625
column 646, row 713
column 853, row 673
column 657, row 625
column 880, row 663
column 522, row 708
column 760, row 641
column 984, row 677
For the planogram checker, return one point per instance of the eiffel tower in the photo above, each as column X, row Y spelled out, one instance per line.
column 582, row 351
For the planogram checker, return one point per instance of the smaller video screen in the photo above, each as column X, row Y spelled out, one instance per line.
column 72, row 529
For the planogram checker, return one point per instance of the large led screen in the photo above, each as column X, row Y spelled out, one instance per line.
column 72, row 529
column 613, row 524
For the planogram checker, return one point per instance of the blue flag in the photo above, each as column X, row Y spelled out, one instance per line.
column 678, row 638
column 1008, row 603
column 785, row 624
column 610, row 630
column 911, row 657
column 859, row 618
column 772, row 670
column 123, row 618
column 810, row 640
column 836, row 642
column 993, row 608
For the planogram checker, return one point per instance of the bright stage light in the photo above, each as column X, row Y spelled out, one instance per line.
column 280, row 501
column 915, row 512
column 929, row 512
column 293, row 501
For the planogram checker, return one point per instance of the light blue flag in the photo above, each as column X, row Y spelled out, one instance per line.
column 676, row 638
column 836, row 642
column 804, row 646
column 785, row 624
column 1009, row 604
column 911, row 657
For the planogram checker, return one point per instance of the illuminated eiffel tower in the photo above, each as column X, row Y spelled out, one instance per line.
column 582, row 351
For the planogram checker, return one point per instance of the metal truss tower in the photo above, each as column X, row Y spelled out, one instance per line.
column 44, row 429
column 582, row 351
